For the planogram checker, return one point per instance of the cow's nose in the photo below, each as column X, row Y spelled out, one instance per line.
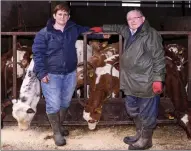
column 23, row 126
column 92, row 126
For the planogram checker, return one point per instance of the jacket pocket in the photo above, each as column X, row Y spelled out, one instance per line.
column 139, row 83
column 140, row 77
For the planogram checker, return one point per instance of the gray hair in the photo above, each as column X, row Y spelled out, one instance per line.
column 135, row 10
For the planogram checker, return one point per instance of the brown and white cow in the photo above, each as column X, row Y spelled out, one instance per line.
column 176, row 84
column 24, row 55
column 97, row 60
column 104, row 84
column 25, row 107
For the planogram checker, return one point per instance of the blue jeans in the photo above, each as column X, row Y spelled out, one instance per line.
column 145, row 108
column 58, row 91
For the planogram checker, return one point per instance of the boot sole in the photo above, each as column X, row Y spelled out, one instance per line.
column 60, row 144
column 131, row 147
column 129, row 142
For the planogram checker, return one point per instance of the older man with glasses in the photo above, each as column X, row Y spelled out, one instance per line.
column 142, row 73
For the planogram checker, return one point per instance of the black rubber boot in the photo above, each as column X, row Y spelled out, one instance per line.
column 144, row 142
column 132, row 139
column 63, row 131
column 55, row 124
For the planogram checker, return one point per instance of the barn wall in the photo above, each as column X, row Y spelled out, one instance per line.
column 36, row 13
column 33, row 13
column 96, row 16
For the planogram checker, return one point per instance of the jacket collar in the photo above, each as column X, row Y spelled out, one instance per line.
column 137, row 31
column 51, row 22
column 145, row 28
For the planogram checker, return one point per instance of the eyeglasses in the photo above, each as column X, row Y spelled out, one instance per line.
column 134, row 18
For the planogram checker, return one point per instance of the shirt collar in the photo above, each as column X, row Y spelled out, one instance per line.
column 132, row 32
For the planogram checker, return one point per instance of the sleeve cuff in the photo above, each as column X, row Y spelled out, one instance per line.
column 159, row 78
column 41, row 75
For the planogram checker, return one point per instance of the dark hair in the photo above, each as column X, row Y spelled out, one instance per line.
column 63, row 6
column 137, row 10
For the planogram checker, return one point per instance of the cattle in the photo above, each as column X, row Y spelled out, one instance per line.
column 24, row 108
column 104, row 84
column 176, row 83
column 97, row 60
column 79, row 49
column 176, row 86
column 94, row 66
column 24, row 55
column 97, row 46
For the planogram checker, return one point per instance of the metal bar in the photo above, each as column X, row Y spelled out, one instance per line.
column 85, row 66
column 5, row 80
column 18, row 33
column 120, row 53
column 83, row 123
column 189, row 68
column 113, row 33
column 14, row 67
column 175, row 32
column 161, row 32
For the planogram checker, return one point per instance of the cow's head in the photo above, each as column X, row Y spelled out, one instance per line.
column 105, row 85
column 24, row 108
column 177, row 54
column 98, row 46
column 97, row 60
column 23, row 113
column 24, row 56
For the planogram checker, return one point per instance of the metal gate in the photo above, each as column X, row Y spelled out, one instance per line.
column 114, row 112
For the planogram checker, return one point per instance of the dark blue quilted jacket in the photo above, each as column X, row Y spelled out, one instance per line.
column 54, row 51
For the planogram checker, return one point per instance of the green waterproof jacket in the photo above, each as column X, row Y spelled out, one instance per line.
column 142, row 60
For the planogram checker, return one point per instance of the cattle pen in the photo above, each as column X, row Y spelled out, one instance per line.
column 113, row 111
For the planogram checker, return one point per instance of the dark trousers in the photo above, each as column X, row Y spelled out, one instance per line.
column 144, row 108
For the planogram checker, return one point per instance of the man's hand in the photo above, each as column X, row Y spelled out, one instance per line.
column 45, row 79
column 96, row 29
column 157, row 87
column 106, row 36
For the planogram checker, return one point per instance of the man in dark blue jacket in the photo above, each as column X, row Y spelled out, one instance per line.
column 55, row 65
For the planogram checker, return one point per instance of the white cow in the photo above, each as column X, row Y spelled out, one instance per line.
column 79, row 48
column 24, row 108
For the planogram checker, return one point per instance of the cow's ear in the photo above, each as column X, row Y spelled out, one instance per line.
column 30, row 110
column 18, row 45
column 31, row 56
